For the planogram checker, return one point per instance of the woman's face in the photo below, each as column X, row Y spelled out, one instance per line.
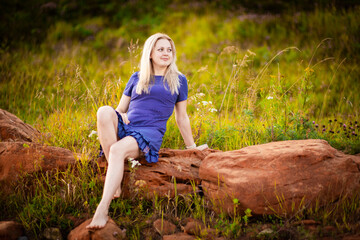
column 162, row 54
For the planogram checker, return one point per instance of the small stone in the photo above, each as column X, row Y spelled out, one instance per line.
column 307, row 222
column 194, row 227
column 352, row 237
column 179, row 236
column 266, row 231
column 329, row 229
column 11, row 230
column 311, row 228
column 52, row 234
column 164, row 227
column 22, row 238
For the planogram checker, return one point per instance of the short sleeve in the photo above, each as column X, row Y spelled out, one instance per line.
column 130, row 85
column 183, row 90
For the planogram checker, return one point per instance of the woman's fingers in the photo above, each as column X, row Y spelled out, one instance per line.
column 202, row 147
column 125, row 118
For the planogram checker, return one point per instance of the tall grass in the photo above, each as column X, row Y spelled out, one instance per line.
column 252, row 79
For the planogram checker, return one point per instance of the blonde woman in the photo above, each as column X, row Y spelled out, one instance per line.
column 138, row 124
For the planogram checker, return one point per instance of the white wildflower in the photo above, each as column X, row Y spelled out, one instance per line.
column 210, row 102
column 212, row 109
column 205, row 103
column 269, row 97
column 197, row 95
column 92, row 133
column 134, row 162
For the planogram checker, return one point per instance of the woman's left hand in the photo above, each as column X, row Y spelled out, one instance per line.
column 202, row 147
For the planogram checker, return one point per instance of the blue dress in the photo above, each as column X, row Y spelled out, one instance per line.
column 148, row 113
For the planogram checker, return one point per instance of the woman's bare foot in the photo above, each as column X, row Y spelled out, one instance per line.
column 100, row 219
column 117, row 193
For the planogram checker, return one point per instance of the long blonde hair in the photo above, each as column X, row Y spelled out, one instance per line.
column 147, row 71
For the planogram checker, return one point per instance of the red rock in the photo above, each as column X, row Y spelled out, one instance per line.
column 311, row 228
column 182, row 165
column 52, row 234
column 329, row 229
column 164, row 227
column 194, row 227
column 11, row 230
column 306, row 222
column 274, row 176
column 179, row 236
column 352, row 237
column 110, row 231
column 13, row 129
column 19, row 157
column 198, row 228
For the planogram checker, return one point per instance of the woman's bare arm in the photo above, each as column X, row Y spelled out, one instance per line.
column 123, row 107
column 183, row 122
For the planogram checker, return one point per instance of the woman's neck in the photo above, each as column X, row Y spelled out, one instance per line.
column 159, row 71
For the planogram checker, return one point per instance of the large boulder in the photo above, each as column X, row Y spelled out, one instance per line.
column 17, row 158
column 180, row 166
column 278, row 177
column 13, row 129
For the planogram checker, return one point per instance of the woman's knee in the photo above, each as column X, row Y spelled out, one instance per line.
column 105, row 114
column 125, row 148
column 118, row 151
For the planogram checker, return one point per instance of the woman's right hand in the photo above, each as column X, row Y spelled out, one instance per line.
column 125, row 118
column 123, row 107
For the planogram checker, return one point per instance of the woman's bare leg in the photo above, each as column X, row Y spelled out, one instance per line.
column 119, row 151
column 107, row 122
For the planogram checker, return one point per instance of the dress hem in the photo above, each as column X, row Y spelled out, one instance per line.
column 151, row 155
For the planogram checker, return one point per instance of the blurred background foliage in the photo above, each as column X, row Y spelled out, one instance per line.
column 28, row 21
column 263, row 67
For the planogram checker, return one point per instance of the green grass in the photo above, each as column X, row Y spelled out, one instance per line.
column 252, row 79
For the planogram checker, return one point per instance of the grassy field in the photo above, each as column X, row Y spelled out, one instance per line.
column 253, row 78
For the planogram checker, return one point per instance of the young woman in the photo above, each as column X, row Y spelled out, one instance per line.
column 138, row 124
